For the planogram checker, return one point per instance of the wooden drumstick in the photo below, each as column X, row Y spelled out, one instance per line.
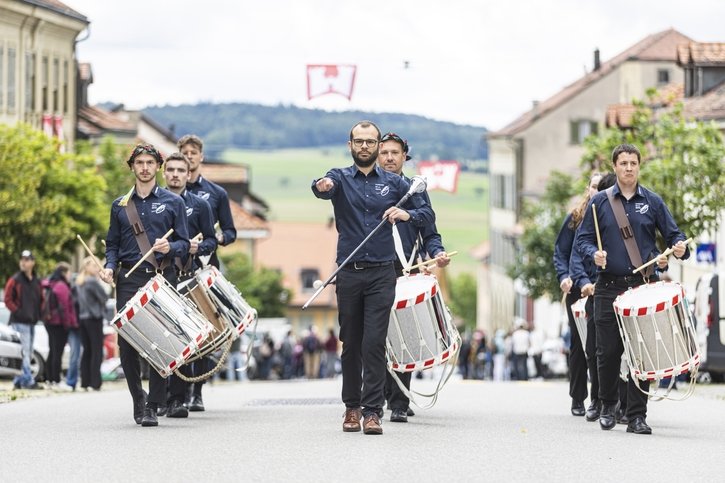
column 148, row 253
column 666, row 253
column 596, row 230
column 431, row 261
column 90, row 253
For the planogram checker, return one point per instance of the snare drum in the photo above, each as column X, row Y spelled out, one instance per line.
column 579, row 310
column 420, row 332
column 657, row 331
column 221, row 329
column 226, row 298
column 161, row 325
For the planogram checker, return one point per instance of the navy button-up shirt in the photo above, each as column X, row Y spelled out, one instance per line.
column 430, row 240
column 359, row 202
column 563, row 249
column 199, row 220
column 219, row 202
column 159, row 211
column 645, row 211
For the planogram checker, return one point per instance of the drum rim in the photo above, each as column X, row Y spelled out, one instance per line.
column 641, row 310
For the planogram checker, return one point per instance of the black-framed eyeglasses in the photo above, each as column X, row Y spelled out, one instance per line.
column 370, row 142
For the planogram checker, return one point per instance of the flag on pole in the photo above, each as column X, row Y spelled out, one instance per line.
column 58, row 131
column 47, row 125
column 442, row 175
column 330, row 79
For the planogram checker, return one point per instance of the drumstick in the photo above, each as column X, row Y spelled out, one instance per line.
column 664, row 254
column 596, row 230
column 168, row 234
column 430, row 262
column 90, row 253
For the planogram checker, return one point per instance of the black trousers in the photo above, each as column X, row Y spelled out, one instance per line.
column 91, row 331
column 591, row 352
column 577, row 357
column 395, row 396
column 364, row 300
column 610, row 347
column 57, row 338
column 126, row 288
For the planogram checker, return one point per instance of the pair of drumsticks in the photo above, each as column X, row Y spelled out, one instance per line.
column 666, row 253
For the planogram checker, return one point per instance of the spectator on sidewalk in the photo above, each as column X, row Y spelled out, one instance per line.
column 92, row 299
column 59, row 316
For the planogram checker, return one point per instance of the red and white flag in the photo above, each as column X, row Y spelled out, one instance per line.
column 442, row 175
column 47, row 125
column 330, row 79
column 58, row 131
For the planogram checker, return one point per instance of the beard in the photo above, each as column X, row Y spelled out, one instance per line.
column 365, row 163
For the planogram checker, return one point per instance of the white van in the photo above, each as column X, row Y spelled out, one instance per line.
column 710, row 321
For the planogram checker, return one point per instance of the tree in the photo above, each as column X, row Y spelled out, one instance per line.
column 542, row 221
column 682, row 161
column 463, row 299
column 46, row 198
column 262, row 289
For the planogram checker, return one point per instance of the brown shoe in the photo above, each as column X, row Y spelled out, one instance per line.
column 352, row 420
column 372, row 425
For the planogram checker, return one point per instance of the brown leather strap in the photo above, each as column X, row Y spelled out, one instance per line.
column 625, row 229
column 142, row 238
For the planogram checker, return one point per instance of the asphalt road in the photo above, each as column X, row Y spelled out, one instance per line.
column 291, row 431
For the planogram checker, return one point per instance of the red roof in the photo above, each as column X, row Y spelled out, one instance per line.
column 701, row 53
column 244, row 220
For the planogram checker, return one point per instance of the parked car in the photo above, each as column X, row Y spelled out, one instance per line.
column 11, row 352
column 709, row 313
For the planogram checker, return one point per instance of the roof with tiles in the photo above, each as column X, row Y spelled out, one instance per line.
column 245, row 221
column 701, row 54
column 58, row 7
column 656, row 47
column 710, row 106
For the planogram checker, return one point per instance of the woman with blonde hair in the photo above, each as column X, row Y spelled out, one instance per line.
column 91, row 304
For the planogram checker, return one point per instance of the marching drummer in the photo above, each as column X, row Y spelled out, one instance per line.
column 362, row 195
column 203, row 242
column 192, row 147
column 642, row 210
column 139, row 225
column 393, row 154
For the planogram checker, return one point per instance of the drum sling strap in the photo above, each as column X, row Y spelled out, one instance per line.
column 625, row 229
column 141, row 238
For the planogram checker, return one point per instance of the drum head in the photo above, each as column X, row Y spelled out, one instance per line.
column 578, row 308
column 648, row 298
column 414, row 289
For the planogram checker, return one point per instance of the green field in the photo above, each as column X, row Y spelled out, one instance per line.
column 283, row 178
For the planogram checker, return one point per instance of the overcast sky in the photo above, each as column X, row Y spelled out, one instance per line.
column 470, row 62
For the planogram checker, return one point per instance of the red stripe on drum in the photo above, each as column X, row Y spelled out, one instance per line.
column 401, row 305
column 433, row 291
column 444, row 355
column 675, row 300
column 172, row 365
column 641, row 311
column 410, row 366
column 395, row 366
column 419, row 299
column 186, row 351
column 199, row 338
column 660, row 307
column 209, row 282
column 130, row 313
column 428, row 363
column 144, row 299
column 119, row 324
column 626, row 312
column 155, row 285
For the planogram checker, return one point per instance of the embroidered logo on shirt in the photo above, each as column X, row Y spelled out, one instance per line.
column 158, row 208
column 641, row 209
column 189, row 211
column 203, row 195
column 384, row 191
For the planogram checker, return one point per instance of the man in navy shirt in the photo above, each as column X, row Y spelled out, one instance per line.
column 158, row 210
column 362, row 195
column 192, row 147
column 645, row 211
column 424, row 240
column 199, row 221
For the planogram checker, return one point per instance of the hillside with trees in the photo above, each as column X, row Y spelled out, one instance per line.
column 255, row 126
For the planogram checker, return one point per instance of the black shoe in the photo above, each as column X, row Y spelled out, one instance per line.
column 410, row 412
column 577, row 408
column 149, row 417
column 162, row 410
column 16, row 385
column 621, row 417
column 177, row 410
column 606, row 416
column 196, row 404
column 638, row 426
column 138, row 408
column 593, row 411
column 398, row 416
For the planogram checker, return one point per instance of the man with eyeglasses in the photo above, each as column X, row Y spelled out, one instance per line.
column 423, row 239
column 362, row 195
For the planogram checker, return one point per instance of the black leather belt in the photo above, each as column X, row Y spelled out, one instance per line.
column 144, row 268
column 364, row 265
column 628, row 279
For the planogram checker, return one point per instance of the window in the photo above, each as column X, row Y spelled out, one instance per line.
column 44, row 83
column 29, row 82
column 309, row 276
column 663, row 77
column 2, row 71
column 580, row 129
column 56, row 75
column 65, row 87
column 503, row 250
column 503, row 191
column 12, row 57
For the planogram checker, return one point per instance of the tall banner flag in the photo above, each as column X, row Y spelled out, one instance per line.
column 47, row 125
column 325, row 79
column 442, row 175
column 58, row 132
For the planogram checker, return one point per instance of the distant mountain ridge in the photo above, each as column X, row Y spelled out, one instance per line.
column 256, row 126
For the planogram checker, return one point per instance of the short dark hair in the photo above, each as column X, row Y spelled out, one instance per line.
column 145, row 148
column 192, row 139
column 626, row 148
column 606, row 181
column 177, row 156
column 365, row 124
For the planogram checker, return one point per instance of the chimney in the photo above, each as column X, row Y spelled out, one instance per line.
column 597, row 63
column 535, row 109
